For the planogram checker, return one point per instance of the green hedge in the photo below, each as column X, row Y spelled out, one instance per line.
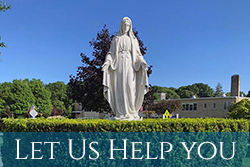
column 147, row 125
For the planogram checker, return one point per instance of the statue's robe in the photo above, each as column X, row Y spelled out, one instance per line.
column 125, row 80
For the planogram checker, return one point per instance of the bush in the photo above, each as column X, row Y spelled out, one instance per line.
column 148, row 125
column 240, row 109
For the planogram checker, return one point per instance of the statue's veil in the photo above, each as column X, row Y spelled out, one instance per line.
column 130, row 33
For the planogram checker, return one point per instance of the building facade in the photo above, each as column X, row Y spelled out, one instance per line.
column 216, row 107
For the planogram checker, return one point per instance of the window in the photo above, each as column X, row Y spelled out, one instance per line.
column 214, row 105
column 189, row 106
column 226, row 105
column 195, row 106
column 183, row 107
column 205, row 106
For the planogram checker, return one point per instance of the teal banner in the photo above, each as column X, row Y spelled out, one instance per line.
column 61, row 149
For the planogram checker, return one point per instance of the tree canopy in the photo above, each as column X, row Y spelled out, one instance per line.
column 19, row 95
column 218, row 90
column 169, row 92
column 197, row 89
column 60, row 97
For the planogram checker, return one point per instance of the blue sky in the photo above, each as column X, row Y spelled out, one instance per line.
column 188, row 41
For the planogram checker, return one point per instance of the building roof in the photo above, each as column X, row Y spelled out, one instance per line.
column 209, row 98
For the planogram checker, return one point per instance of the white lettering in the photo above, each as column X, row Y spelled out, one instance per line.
column 112, row 149
column 51, row 148
column 94, row 150
column 33, row 150
column 133, row 150
column 221, row 151
column 70, row 149
column 148, row 152
column 17, row 150
column 199, row 150
column 188, row 150
column 170, row 148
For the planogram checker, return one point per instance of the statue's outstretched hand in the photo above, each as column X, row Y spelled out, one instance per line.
column 105, row 66
column 143, row 62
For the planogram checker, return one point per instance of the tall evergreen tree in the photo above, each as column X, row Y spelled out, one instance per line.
column 218, row 90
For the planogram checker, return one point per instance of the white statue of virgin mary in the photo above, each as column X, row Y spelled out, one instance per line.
column 125, row 74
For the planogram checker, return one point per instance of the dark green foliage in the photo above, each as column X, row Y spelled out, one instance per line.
column 240, row 109
column 170, row 92
column 2, row 107
column 197, row 89
column 4, row 6
column 41, row 96
column 218, row 90
column 19, row 97
column 147, row 125
column 185, row 93
column 60, row 97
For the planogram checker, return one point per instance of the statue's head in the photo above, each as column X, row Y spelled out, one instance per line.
column 126, row 27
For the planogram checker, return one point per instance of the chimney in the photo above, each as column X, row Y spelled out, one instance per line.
column 235, row 85
column 162, row 96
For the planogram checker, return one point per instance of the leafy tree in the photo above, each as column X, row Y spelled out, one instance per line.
column 218, row 90
column 204, row 90
column 240, row 109
column 87, row 85
column 2, row 105
column 21, row 97
column 197, row 89
column 173, row 106
column 170, row 93
column 8, row 113
column 3, row 8
column 6, row 94
column 184, row 92
column 41, row 95
column 59, row 97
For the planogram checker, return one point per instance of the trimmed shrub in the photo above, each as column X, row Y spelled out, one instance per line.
column 148, row 125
